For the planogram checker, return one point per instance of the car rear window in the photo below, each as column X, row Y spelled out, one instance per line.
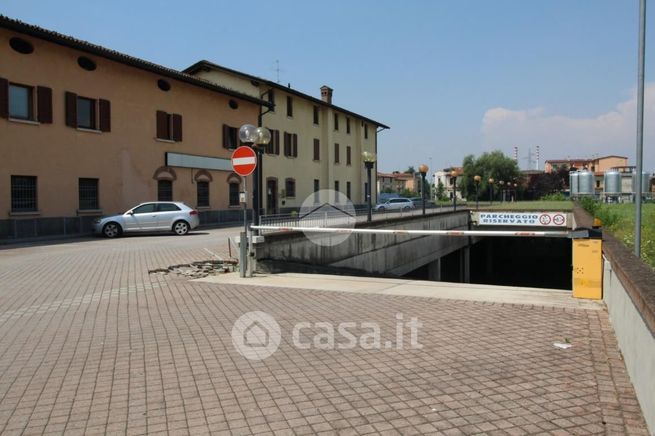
column 167, row 207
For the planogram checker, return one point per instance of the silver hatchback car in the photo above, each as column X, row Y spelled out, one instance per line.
column 149, row 217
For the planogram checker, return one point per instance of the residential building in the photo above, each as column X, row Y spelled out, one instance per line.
column 597, row 164
column 450, row 183
column 316, row 145
column 88, row 131
column 396, row 182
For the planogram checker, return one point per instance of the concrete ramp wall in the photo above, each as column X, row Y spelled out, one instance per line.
column 390, row 255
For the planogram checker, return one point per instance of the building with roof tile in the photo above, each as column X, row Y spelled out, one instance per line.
column 316, row 144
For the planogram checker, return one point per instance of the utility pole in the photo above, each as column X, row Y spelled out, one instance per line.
column 640, row 124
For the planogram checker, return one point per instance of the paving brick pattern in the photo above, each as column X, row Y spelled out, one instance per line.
column 91, row 343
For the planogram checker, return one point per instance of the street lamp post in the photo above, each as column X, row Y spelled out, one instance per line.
column 491, row 190
column 477, row 179
column 502, row 191
column 423, row 169
column 453, row 178
column 256, row 138
column 369, row 160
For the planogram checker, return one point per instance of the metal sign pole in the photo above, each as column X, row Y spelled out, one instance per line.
column 243, row 244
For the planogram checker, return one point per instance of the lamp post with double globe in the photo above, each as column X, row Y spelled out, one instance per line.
column 257, row 138
column 423, row 169
column 369, row 161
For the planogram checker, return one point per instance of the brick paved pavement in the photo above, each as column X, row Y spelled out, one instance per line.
column 91, row 343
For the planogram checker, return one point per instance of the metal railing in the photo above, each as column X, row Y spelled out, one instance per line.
column 335, row 217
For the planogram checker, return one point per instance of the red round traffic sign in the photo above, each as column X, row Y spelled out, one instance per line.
column 244, row 161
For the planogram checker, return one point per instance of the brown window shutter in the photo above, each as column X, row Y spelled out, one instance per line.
column 286, row 144
column 44, row 104
column 71, row 109
column 336, row 153
column 317, row 149
column 162, row 125
column 105, row 115
column 277, row 142
column 226, row 136
column 177, row 127
column 348, row 155
column 295, row 145
column 4, row 98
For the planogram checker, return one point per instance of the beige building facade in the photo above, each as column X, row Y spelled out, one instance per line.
column 86, row 131
column 316, row 145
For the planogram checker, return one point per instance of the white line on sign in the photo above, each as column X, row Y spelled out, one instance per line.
column 244, row 161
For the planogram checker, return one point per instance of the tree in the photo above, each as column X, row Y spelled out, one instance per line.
column 548, row 183
column 441, row 191
column 493, row 165
column 410, row 170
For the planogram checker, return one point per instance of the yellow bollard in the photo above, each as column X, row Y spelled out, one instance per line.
column 588, row 266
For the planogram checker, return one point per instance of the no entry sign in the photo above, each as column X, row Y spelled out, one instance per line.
column 244, row 161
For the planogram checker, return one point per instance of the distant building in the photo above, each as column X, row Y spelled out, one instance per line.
column 450, row 184
column 396, row 182
column 598, row 164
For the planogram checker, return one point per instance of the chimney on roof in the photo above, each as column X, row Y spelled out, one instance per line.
column 326, row 94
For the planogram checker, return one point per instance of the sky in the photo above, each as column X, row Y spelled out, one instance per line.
column 451, row 78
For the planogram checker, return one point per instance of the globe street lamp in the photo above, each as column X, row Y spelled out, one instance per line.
column 423, row 169
column 257, row 138
column 453, row 179
column 369, row 160
column 491, row 190
column 502, row 191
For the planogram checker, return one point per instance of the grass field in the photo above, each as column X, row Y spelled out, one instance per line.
column 619, row 219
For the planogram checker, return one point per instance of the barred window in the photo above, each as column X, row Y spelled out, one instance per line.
column 23, row 194
column 203, row 194
column 234, row 194
column 88, row 194
column 164, row 190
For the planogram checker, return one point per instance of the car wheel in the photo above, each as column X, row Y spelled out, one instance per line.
column 405, row 208
column 181, row 228
column 111, row 230
column 380, row 209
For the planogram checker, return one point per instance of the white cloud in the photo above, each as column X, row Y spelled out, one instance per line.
column 559, row 136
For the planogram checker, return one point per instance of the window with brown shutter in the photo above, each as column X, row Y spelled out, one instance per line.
column 316, row 119
column 71, row 109
column 177, row 127
column 348, row 125
column 336, row 121
column 44, row 104
column 365, row 131
column 287, row 144
column 336, row 153
column 289, row 106
column 295, row 145
column 348, row 155
column 277, row 142
column 162, row 125
column 230, row 137
column 317, row 149
column 4, row 98
column 104, row 108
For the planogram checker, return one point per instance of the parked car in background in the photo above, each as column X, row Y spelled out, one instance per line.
column 155, row 216
column 418, row 202
column 395, row 204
